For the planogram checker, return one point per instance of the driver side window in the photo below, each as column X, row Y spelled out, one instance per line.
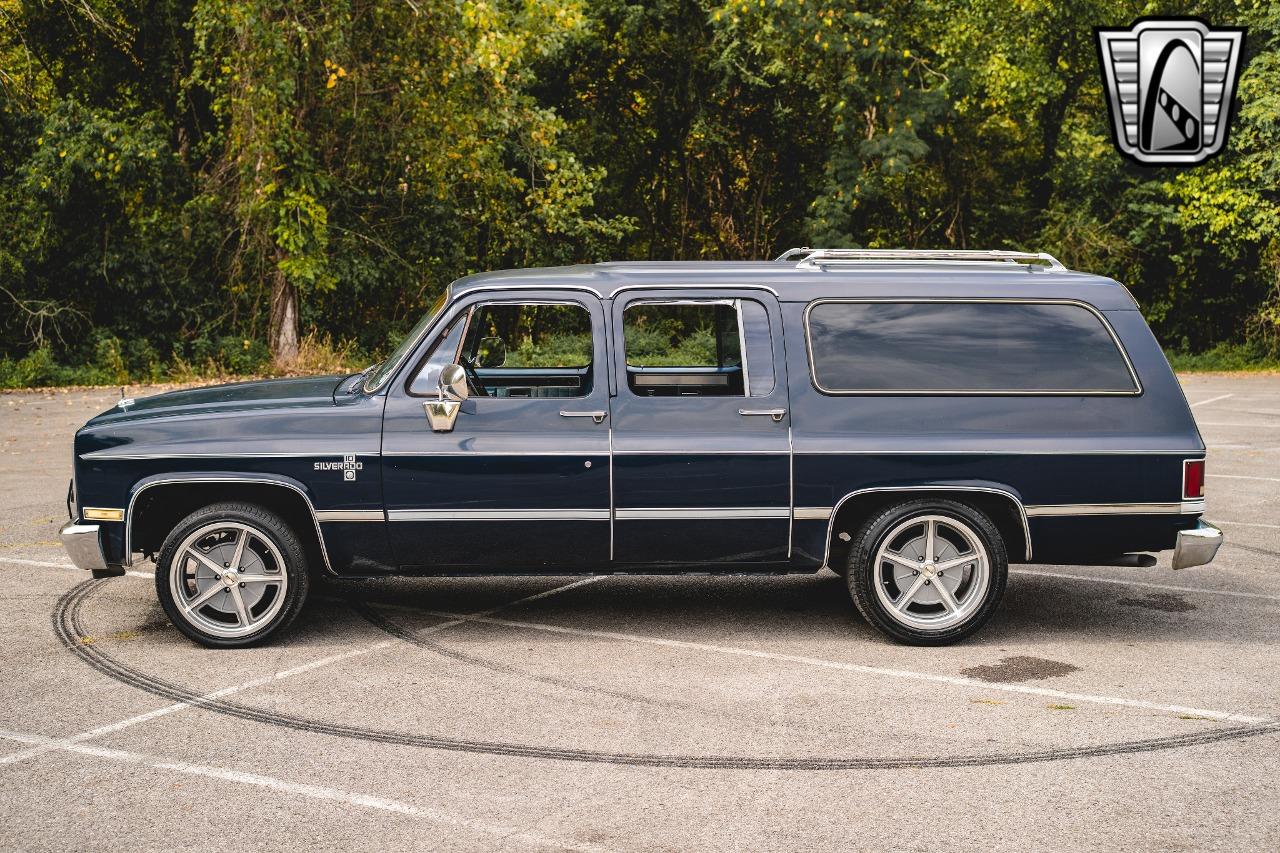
column 517, row 350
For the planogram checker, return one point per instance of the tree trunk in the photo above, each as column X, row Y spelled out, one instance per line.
column 284, row 321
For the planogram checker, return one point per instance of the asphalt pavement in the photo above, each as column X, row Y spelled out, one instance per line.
column 1102, row 708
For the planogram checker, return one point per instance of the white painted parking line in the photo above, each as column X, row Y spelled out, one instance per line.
column 1237, row 424
column 1244, row 477
column 109, row 728
column 910, row 675
column 1146, row 584
column 1211, row 400
column 317, row 792
column 1247, row 524
column 46, row 564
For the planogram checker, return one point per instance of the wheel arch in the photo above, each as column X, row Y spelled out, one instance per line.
column 1001, row 502
column 159, row 502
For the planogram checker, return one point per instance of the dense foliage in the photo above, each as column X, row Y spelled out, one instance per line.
column 196, row 182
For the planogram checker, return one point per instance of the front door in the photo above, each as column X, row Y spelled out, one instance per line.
column 702, row 454
column 522, row 481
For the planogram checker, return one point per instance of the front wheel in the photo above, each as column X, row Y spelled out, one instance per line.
column 231, row 574
column 928, row 572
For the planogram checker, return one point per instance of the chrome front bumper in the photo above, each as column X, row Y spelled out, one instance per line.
column 84, row 546
column 1196, row 546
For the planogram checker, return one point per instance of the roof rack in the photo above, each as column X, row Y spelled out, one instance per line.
column 817, row 258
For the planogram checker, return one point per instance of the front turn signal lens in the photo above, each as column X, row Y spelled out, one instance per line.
column 92, row 513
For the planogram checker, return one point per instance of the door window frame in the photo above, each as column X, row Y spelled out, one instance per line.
column 471, row 302
column 727, row 295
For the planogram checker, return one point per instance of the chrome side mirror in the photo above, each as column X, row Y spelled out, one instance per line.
column 453, row 382
column 451, row 391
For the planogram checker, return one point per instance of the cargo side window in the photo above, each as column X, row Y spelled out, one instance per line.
column 959, row 347
column 695, row 348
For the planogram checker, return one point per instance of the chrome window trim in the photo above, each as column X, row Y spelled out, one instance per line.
column 1115, row 339
column 835, row 510
column 220, row 478
column 742, row 349
column 606, row 301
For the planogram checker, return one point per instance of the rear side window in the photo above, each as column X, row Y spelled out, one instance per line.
column 698, row 348
column 964, row 347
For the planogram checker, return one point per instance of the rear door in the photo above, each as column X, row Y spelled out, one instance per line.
column 701, row 429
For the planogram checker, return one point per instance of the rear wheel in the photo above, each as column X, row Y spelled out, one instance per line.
column 927, row 572
column 231, row 574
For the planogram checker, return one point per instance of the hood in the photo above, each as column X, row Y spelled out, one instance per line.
column 269, row 393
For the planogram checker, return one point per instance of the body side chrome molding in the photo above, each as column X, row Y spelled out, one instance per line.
column 826, row 557
column 220, row 478
column 107, row 454
column 498, row 515
column 975, row 452
column 701, row 513
column 1055, row 510
column 350, row 515
column 624, row 514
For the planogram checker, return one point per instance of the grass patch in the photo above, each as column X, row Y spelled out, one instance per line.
column 1056, row 707
column 1226, row 358
column 200, row 362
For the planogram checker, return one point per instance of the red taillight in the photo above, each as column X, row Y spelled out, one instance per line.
column 1193, row 479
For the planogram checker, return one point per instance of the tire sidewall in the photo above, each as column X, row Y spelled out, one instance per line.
column 265, row 524
column 862, row 571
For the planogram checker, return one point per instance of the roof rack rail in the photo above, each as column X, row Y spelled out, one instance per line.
column 817, row 258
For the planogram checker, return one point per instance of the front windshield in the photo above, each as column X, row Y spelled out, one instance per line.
column 388, row 367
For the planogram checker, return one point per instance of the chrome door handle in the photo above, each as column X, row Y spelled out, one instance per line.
column 598, row 417
column 776, row 414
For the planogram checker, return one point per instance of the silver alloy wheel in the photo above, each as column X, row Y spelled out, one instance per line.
column 228, row 579
column 931, row 572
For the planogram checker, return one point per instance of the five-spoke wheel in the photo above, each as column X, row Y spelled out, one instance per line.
column 230, row 574
column 927, row 572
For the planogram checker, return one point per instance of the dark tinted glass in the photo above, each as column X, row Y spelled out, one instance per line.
column 963, row 346
column 755, row 328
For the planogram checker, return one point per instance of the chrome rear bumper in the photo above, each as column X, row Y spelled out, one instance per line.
column 1196, row 546
column 83, row 545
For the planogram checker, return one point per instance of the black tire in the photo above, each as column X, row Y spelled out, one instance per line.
column 863, row 574
column 264, row 526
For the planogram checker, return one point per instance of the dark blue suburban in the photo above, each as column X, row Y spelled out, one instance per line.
column 912, row 420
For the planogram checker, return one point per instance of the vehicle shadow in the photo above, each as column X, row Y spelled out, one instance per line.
column 797, row 607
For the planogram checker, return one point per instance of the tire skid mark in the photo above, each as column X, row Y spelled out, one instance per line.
column 68, row 626
column 366, row 612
